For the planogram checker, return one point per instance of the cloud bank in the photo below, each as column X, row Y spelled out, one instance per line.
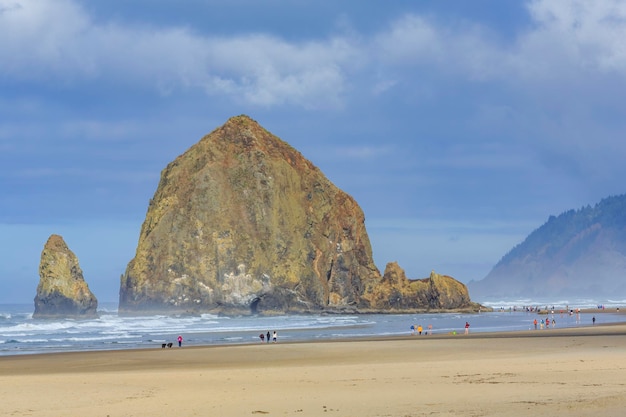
column 564, row 42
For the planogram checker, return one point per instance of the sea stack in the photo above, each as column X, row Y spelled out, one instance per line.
column 397, row 293
column 242, row 223
column 62, row 291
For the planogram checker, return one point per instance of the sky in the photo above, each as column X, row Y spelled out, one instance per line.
column 459, row 127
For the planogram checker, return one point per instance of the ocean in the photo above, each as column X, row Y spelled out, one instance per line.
column 21, row 334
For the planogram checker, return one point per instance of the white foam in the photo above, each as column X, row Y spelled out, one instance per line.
column 23, row 334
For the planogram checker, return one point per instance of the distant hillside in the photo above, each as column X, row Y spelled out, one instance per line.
column 579, row 253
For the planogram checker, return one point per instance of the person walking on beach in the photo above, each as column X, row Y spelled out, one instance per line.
column 274, row 337
column 593, row 320
column 268, row 336
column 180, row 341
column 262, row 337
column 466, row 327
column 419, row 329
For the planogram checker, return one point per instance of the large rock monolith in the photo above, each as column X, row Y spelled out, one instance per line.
column 242, row 223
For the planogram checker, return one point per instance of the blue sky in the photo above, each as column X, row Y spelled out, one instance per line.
column 459, row 127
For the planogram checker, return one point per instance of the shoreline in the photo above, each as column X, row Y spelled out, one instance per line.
column 601, row 329
column 555, row 372
column 243, row 334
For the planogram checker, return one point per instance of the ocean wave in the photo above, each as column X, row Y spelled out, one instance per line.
column 557, row 303
column 29, row 327
column 93, row 338
column 22, row 334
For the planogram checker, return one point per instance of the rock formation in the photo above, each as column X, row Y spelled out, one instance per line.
column 243, row 223
column 62, row 290
column 438, row 292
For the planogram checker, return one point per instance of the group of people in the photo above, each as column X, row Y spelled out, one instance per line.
column 418, row 329
column 266, row 337
column 545, row 322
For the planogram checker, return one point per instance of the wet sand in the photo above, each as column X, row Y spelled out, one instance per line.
column 556, row 372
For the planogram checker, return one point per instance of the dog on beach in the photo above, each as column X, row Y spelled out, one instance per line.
column 169, row 345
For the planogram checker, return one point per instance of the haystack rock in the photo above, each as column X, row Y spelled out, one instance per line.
column 62, row 290
column 242, row 223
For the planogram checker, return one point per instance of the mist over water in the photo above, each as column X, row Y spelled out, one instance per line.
column 21, row 334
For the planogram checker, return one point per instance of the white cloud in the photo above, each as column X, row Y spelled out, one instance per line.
column 383, row 85
column 557, row 85
column 417, row 42
column 590, row 33
column 39, row 37
column 57, row 39
column 566, row 42
column 563, row 37
column 362, row 152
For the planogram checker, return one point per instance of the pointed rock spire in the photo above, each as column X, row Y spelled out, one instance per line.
column 62, row 290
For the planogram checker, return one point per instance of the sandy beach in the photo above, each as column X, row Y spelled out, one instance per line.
column 557, row 372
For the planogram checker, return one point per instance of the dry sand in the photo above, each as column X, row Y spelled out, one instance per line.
column 557, row 372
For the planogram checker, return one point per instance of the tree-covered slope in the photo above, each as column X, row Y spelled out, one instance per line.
column 578, row 253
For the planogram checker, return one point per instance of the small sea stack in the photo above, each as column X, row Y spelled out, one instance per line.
column 62, row 291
